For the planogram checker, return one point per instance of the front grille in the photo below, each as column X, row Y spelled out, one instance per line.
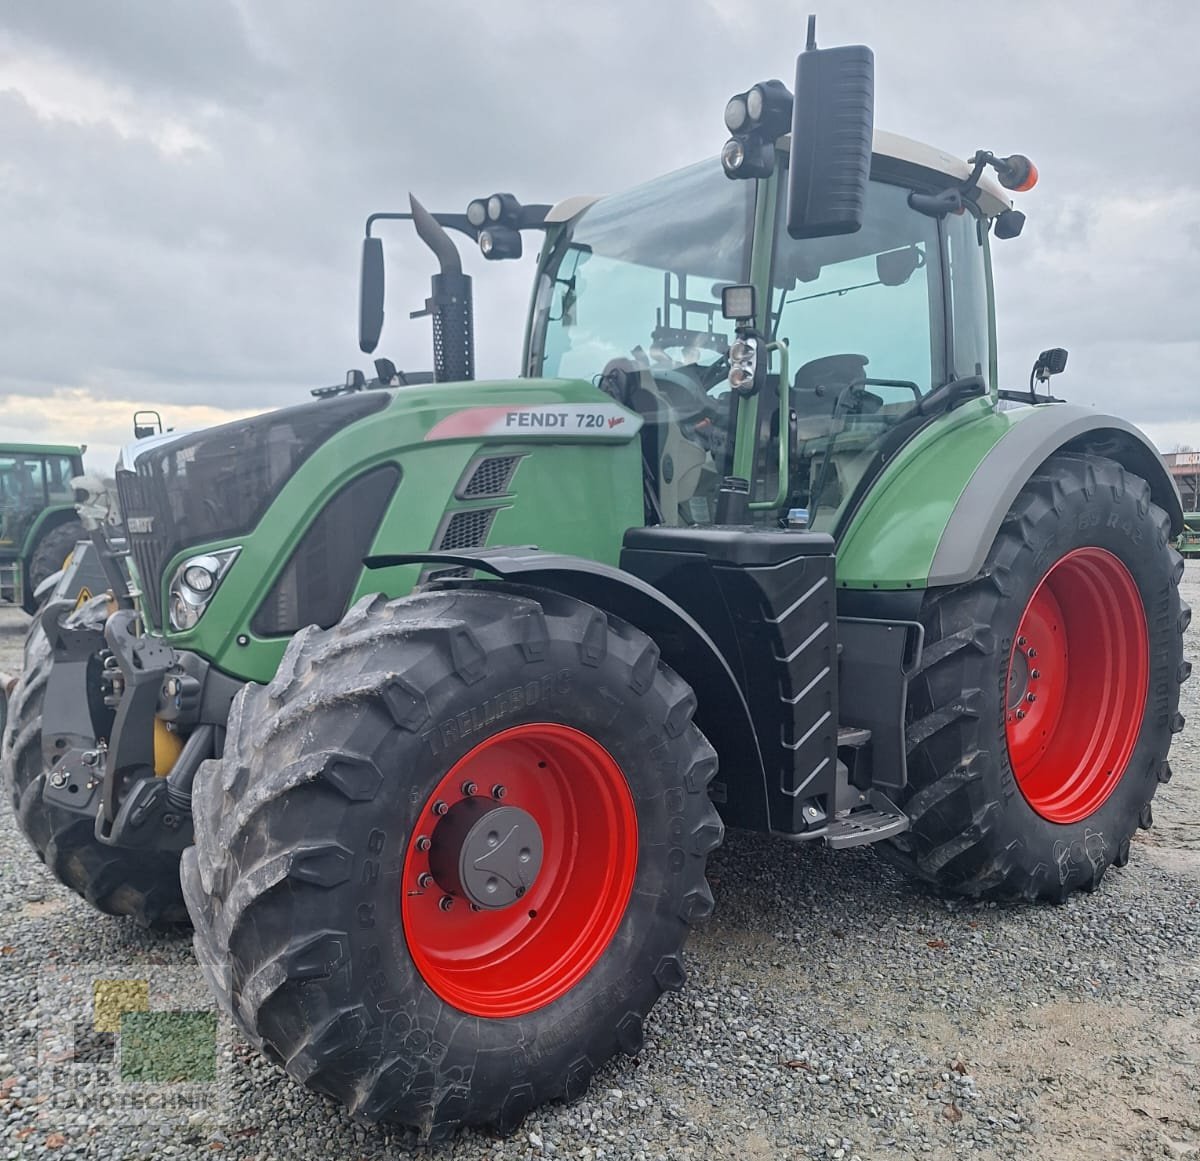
column 148, row 545
column 466, row 530
column 489, row 477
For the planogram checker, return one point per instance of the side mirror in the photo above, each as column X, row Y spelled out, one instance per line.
column 370, row 296
column 833, row 119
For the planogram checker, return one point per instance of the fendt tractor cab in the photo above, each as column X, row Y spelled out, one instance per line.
column 445, row 691
column 38, row 526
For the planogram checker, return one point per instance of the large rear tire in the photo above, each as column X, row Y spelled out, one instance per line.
column 1048, row 692
column 354, row 908
column 142, row 885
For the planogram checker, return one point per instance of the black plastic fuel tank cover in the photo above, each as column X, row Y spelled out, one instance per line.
column 747, row 547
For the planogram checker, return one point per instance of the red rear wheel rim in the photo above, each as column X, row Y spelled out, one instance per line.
column 1077, row 683
column 518, row 958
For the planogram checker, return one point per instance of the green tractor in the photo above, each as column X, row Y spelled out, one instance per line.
column 437, row 696
column 38, row 525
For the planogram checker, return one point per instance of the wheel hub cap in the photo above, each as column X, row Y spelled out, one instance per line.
column 489, row 854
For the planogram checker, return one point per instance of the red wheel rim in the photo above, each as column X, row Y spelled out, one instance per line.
column 520, row 957
column 1077, row 683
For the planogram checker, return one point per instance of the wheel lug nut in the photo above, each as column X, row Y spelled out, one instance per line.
column 423, row 843
column 1031, row 654
column 1022, row 641
column 1020, row 715
column 499, row 791
column 1031, row 698
column 469, row 788
column 1035, row 674
column 446, row 902
column 476, row 907
column 440, row 808
column 424, row 879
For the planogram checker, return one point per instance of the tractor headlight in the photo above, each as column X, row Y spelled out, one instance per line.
column 193, row 585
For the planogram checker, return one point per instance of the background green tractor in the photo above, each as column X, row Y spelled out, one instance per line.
column 444, row 800
column 38, row 525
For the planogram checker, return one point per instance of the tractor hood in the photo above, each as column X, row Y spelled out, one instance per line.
column 215, row 487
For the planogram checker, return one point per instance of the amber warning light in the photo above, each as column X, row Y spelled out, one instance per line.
column 1016, row 172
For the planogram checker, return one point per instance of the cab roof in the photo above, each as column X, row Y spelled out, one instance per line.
column 39, row 449
column 993, row 198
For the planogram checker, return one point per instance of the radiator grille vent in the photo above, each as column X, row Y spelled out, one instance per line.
column 466, row 530
column 491, row 477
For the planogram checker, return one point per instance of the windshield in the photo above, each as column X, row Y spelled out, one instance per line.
column 638, row 277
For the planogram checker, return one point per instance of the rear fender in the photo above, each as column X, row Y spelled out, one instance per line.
column 1006, row 469
column 933, row 513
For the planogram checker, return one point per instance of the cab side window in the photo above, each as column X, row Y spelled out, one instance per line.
column 59, row 471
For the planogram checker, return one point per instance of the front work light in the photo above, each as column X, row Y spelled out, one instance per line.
column 737, row 303
column 736, row 113
column 748, row 156
column 503, row 207
column 756, row 118
column 499, row 242
column 769, row 107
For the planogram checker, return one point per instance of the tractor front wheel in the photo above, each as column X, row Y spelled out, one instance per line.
column 1048, row 692
column 451, row 854
column 141, row 884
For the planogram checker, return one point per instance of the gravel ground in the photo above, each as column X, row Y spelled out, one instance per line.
column 834, row 1009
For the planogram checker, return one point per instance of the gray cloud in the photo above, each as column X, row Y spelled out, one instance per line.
column 224, row 271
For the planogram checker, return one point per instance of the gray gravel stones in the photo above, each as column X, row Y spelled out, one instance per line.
column 835, row 1009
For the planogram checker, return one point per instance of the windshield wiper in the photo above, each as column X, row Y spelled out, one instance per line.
column 827, row 293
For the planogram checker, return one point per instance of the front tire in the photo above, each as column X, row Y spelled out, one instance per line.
column 350, row 844
column 1048, row 692
column 141, row 884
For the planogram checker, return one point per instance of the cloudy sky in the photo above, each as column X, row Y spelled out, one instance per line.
column 183, row 182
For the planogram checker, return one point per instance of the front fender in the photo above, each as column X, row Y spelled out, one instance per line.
column 934, row 512
column 722, row 713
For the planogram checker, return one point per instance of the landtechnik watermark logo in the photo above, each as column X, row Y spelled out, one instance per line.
column 136, row 1040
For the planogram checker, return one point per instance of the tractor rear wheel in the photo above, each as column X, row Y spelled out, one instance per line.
column 49, row 556
column 140, row 884
column 1048, row 692
column 451, row 854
